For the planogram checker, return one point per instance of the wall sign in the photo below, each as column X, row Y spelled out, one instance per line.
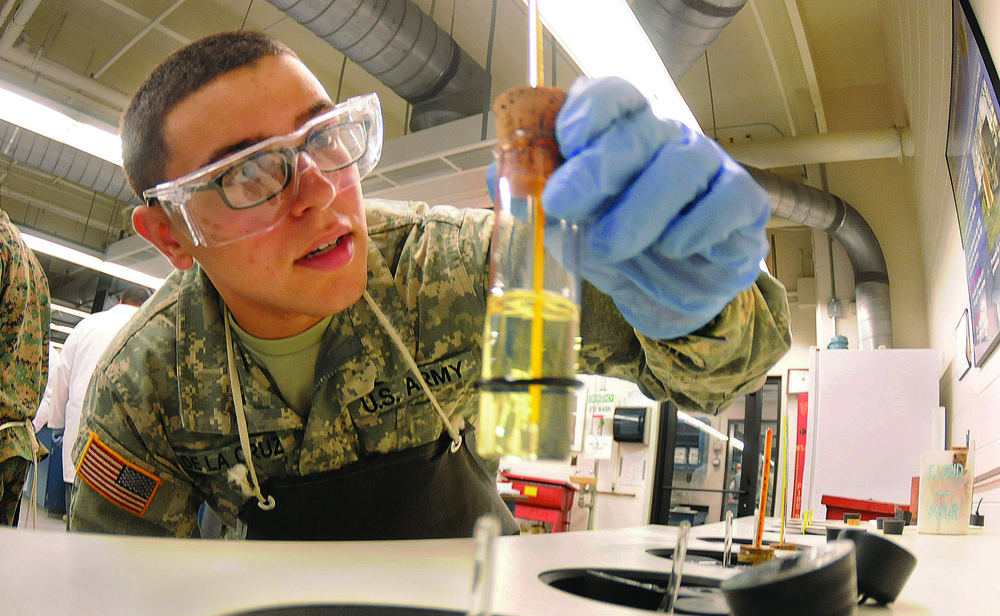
column 798, row 380
column 945, row 492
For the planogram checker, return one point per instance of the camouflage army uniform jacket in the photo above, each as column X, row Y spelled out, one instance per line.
column 24, row 340
column 160, row 404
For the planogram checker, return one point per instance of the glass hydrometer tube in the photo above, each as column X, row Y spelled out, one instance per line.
column 727, row 546
column 529, row 349
column 485, row 534
column 677, row 569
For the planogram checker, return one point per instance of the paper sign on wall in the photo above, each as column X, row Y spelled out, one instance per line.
column 601, row 404
column 632, row 468
column 945, row 492
column 598, row 446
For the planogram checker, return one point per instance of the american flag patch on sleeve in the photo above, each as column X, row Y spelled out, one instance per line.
column 115, row 478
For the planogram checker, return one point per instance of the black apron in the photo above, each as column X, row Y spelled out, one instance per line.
column 428, row 492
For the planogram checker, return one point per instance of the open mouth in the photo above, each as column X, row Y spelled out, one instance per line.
column 330, row 256
column 325, row 248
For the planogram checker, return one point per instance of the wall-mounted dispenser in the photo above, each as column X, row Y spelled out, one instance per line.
column 630, row 424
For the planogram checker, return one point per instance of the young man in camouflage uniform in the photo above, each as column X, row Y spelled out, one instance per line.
column 24, row 357
column 270, row 376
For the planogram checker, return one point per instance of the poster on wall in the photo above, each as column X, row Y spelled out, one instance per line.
column 972, row 151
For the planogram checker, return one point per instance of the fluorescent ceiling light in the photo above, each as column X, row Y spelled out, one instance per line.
column 89, row 261
column 704, row 427
column 604, row 39
column 38, row 118
column 61, row 328
column 68, row 310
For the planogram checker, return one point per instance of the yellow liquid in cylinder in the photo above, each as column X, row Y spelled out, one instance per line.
column 523, row 415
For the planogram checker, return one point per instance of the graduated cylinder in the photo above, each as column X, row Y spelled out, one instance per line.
column 531, row 338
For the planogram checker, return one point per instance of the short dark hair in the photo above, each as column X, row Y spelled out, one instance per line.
column 134, row 296
column 144, row 149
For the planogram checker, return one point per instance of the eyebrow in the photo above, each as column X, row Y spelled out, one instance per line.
column 316, row 109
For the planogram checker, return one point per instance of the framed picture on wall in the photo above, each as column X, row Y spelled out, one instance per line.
column 972, row 153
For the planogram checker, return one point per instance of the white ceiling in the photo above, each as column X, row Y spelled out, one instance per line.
column 763, row 78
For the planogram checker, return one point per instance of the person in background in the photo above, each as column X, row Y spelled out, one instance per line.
column 69, row 377
column 24, row 363
column 279, row 372
column 733, row 497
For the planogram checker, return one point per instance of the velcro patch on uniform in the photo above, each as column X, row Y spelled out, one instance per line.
column 115, row 478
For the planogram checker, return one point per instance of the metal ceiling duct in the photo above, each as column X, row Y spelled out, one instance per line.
column 826, row 212
column 64, row 161
column 681, row 30
column 405, row 49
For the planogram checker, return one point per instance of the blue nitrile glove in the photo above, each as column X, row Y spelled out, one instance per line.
column 673, row 227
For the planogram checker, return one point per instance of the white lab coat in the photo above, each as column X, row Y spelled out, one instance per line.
column 70, row 376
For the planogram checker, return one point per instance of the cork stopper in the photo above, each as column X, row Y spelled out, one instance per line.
column 752, row 555
column 532, row 110
column 527, row 152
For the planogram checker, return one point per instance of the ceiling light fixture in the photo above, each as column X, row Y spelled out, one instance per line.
column 48, row 122
column 694, row 423
column 61, row 328
column 68, row 310
column 604, row 39
column 89, row 261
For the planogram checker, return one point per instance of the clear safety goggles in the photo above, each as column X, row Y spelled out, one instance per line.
column 245, row 194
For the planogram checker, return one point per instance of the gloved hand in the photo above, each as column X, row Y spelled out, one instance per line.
column 673, row 228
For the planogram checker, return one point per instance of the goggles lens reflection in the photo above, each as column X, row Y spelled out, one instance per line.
column 260, row 177
column 245, row 193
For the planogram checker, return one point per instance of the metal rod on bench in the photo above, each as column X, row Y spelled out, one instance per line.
column 680, row 553
column 486, row 531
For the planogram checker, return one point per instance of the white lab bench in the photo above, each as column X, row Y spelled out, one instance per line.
column 57, row 573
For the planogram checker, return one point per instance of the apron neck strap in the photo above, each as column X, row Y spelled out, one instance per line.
column 454, row 428
column 267, row 503
column 241, row 420
column 33, row 505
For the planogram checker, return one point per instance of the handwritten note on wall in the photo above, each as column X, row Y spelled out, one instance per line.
column 945, row 492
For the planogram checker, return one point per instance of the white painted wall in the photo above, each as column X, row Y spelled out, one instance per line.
column 918, row 40
column 910, row 206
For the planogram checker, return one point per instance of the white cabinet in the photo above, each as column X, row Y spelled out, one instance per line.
column 871, row 414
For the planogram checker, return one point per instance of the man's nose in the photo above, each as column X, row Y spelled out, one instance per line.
column 310, row 186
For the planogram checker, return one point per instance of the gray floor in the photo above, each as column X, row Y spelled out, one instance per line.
column 43, row 519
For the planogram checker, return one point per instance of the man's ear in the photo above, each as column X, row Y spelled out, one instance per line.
column 152, row 223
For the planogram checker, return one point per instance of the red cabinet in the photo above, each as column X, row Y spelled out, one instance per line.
column 837, row 506
column 547, row 500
